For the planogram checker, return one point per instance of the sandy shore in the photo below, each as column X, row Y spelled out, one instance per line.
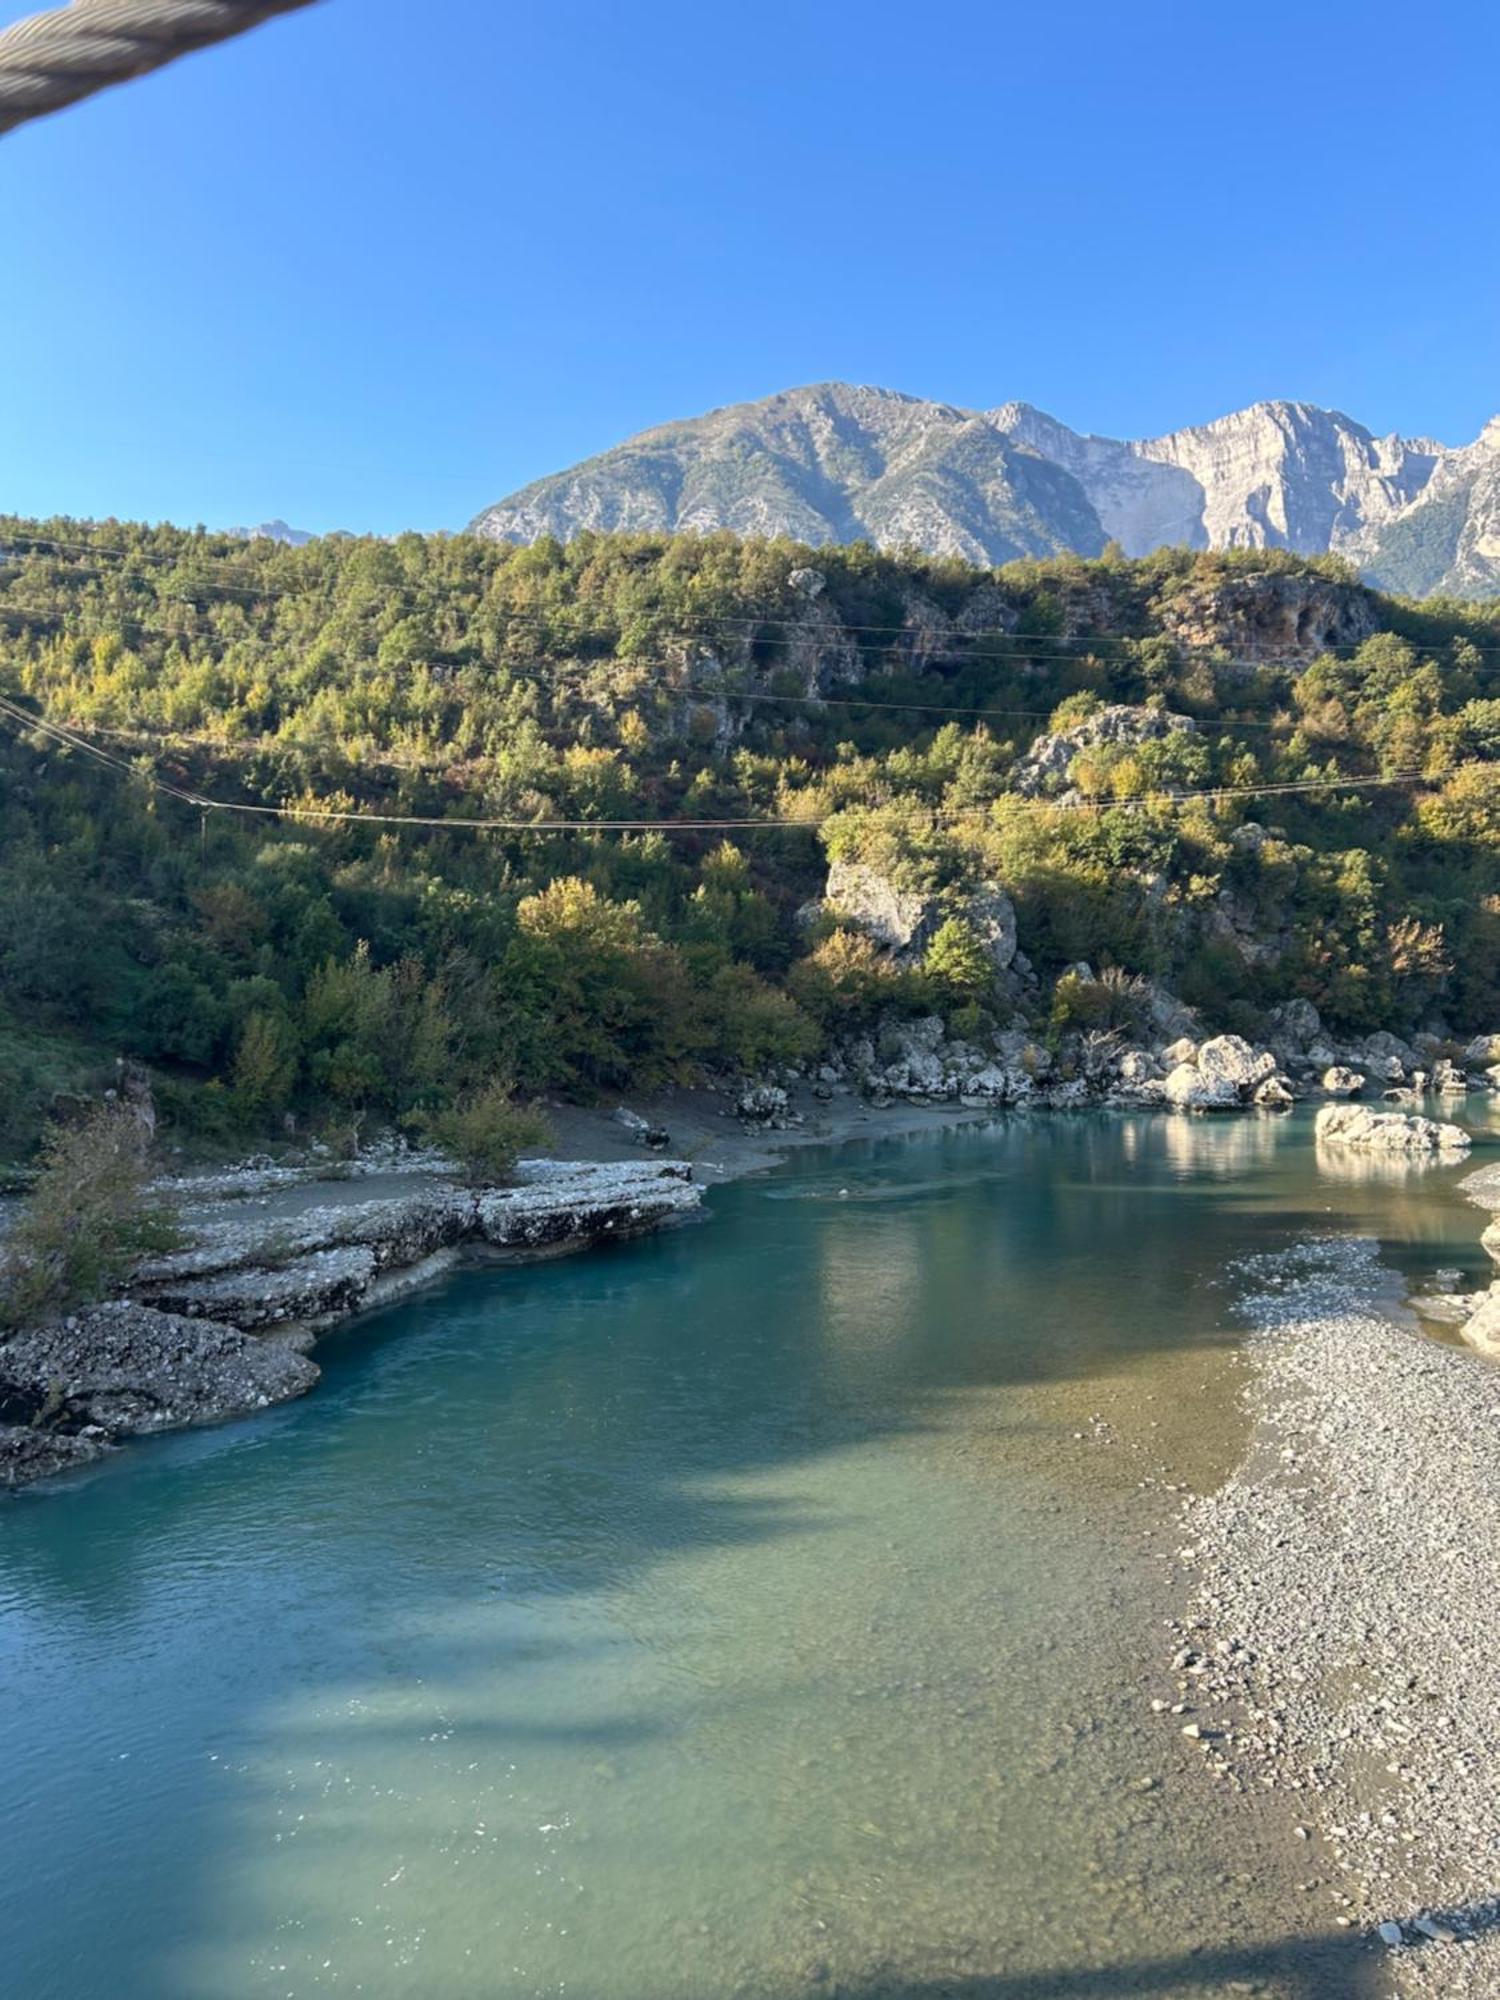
column 704, row 1129
column 1341, row 1643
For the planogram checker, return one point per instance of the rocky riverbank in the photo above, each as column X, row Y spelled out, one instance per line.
column 1164, row 1060
column 221, row 1327
column 1338, row 1645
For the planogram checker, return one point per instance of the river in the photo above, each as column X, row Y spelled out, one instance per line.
column 771, row 1608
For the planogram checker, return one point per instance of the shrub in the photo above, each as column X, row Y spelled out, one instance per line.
column 488, row 1132
column 87, row 1219
column 1112, row 1001
column 845, row 982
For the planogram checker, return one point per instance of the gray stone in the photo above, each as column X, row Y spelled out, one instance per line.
column 1230, row 1059
column 905, row 921
column 127, row 1368
column 1341, row 1082
column 1188, row 1090
column 1387, row 1131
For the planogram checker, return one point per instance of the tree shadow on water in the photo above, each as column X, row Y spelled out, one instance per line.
column 1333, row 1965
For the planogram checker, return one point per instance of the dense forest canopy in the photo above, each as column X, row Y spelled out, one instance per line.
column 279, row 965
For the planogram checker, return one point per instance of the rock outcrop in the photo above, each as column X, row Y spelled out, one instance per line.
column 1044, row 770
column 1221, row 1075
column 1482, row 1327
column 1387, row 1131
column 343, row 1257
column 1273, row 616
column 70, row 1389
column 1162, row 1060
column 904, row 922
column 571, row 1206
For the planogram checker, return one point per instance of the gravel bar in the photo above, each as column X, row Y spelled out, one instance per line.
column 1342, row 1639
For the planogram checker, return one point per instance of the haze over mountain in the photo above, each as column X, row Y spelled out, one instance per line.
column 839, row 463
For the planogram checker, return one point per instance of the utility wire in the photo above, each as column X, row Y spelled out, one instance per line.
column 1025, row 653
column 52, row 60
column 552, row 682
column 1027, row 645
column 1208, row 795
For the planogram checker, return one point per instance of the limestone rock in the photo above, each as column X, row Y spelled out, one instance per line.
column 1386, row 1131
column 122, row 1369
column 27, row 1455
column 1230, row 1059
column 318, row 1286
column 587, row 1204
column 904, row 922
column 1274, row 1094
column 1045, row 767
column 1138, row 1066
column 1189, row 1090
column 1482, row 1328
column 1341, row 1082
column 1270, row 616
column 1383, row 1047
column 1297, row 1022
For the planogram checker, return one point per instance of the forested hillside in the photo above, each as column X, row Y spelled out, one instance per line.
column 904, row 712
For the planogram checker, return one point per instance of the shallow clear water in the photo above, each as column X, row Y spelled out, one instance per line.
column 771, row 1608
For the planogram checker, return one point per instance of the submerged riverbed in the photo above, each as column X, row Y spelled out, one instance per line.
column 773, row 1608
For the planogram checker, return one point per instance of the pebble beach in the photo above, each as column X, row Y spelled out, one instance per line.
column 1341, row 1638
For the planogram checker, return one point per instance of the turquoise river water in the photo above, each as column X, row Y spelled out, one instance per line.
column 771, row 1608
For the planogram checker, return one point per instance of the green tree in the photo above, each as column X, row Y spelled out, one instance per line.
column 265, row 1065
column 957, row 962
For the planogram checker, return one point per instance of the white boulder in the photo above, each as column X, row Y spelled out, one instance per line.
column 1274, row 1094
column 1341, row 1082
column 1230, row 1059
column 1386, row 1131
column 1482, row 1328
column 1188, row 1089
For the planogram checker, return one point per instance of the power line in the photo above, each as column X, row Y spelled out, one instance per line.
column 821, row 701
column 647, row 661
column 1207, row 795
column 1026, row 644
column 1203, row 725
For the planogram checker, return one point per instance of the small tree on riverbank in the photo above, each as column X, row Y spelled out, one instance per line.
column 87, row 1219
column 488, row 1132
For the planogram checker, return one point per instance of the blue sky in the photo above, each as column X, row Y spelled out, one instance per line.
column 375, row 265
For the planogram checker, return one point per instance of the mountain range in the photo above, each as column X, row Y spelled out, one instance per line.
column 840, row 463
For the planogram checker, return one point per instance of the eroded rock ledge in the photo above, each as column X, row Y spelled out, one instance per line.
column 219, row 1329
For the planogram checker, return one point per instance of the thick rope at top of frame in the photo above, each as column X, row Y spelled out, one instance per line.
column 52, row 60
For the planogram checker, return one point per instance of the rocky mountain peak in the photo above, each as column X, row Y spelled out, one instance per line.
column 835, row 462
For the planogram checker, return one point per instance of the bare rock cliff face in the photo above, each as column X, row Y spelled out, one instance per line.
column 1270, row 617
column 1447, row 541
column 904, row 922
